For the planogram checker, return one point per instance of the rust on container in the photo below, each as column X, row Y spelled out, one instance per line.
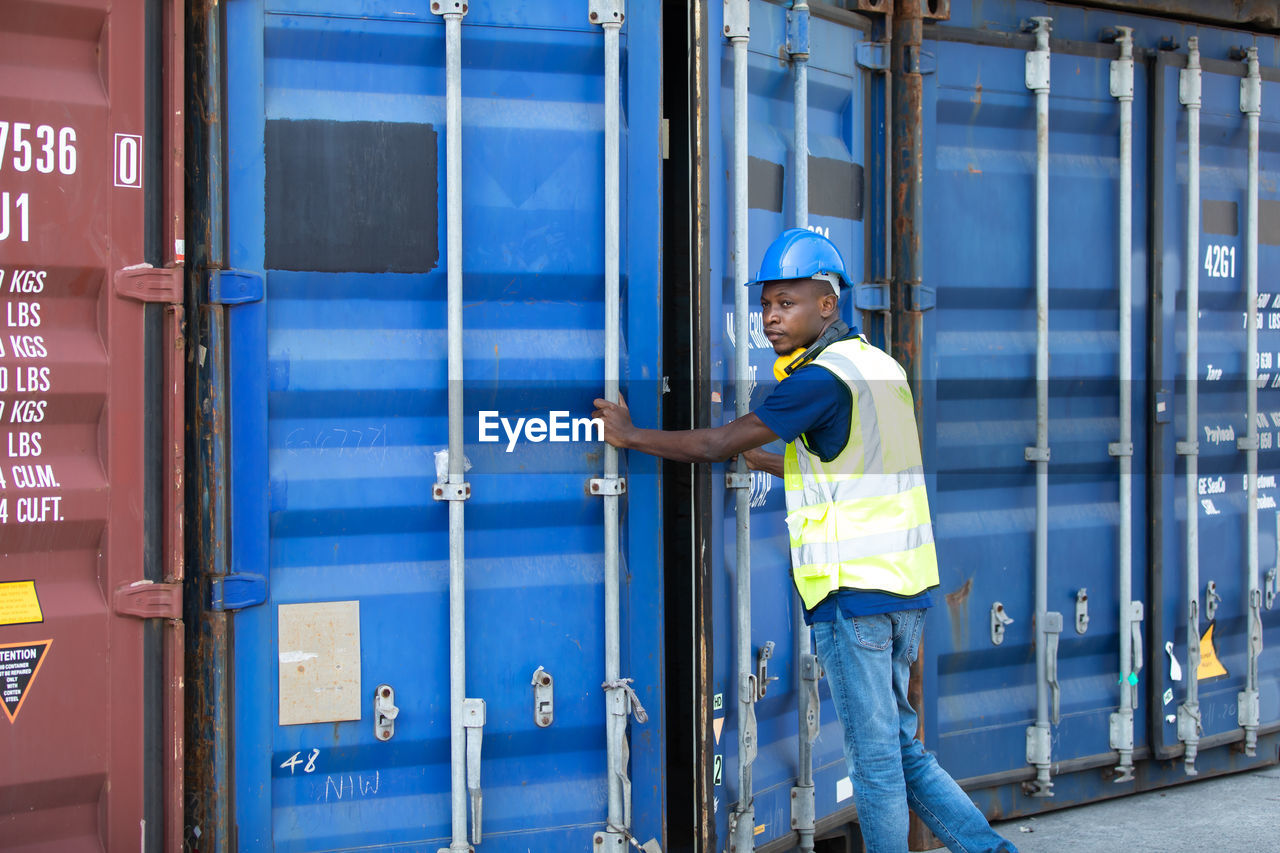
column 908, row 321
column 207, row 770
column 74, row 480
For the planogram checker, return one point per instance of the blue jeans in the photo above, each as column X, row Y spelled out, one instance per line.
column 868, row 660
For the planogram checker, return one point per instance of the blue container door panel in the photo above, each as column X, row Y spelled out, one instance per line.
column 1222, row 371
column 339, row 406
column 836, row 199
column 980, row 393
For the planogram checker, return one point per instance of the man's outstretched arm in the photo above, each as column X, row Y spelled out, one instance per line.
column 686, row 445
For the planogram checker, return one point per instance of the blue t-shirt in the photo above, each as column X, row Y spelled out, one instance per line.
column 812, row 402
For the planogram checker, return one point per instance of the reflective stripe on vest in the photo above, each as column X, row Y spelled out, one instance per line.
column 861, row 521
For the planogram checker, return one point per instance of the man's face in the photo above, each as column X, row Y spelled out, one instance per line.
column 795, row 312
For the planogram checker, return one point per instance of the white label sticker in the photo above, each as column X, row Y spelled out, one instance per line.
column 844, row 789
column 319, row 654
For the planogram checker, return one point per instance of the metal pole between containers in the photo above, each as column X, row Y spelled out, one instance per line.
column 211, row 749
column 456, row 491
column 1247, row 701
column 887, row 314
column 737, row 27
column 1130, row 663
column 1189, row 727
column 803, row 811
column 1039, row 745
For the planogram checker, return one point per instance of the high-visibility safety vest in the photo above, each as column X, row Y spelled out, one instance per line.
column 861, row 521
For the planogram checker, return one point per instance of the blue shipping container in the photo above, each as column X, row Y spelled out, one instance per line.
column 336, row 195
column 321, row 375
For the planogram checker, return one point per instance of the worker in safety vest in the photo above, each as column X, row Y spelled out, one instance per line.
column 862, row 552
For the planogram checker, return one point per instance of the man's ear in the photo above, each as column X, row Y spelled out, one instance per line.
column 829, row 305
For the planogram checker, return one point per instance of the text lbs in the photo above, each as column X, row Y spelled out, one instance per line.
column 24, row 444
column 32, row 379
column 23, row 315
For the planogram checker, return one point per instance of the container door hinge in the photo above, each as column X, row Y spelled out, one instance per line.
column 871, row 296
column 919, row 61
column 237, row 591
column 874, row 296
column 149, row 600
column 235, row 287
column 145, row 283
column 921, row 297
column 872, row 55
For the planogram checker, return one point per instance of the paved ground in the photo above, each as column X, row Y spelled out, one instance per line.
column 1240, row 812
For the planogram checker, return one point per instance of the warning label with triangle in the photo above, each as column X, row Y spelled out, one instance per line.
column 1210, row 666
column 19, row 664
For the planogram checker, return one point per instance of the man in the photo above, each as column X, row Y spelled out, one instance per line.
column 862, row 549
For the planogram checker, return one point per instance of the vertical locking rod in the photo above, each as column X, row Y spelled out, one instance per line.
column 1247, row 704
column 452, row 11
column 1039, row 746
column 1122, row 721
column 609, row 15
column 1189, row 727
column 737, row 28
column 803, row 812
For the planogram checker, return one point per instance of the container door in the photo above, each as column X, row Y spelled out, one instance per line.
column 1222, row 370
column 336, row 197
column 836, row 201
column 980, row 395
column 81, row 514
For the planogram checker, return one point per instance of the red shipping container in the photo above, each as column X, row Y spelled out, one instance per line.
column 90, row 425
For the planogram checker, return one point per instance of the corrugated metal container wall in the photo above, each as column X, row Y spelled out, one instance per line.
column 980, row 399
column 91, row 407
column 837, row 109
column 1221, row 267
column 336, row 202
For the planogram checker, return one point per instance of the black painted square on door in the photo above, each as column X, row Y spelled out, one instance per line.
column 351, row 196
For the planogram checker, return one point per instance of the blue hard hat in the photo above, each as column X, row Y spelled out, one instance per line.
column 800, row 253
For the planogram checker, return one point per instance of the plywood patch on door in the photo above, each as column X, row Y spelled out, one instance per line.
column 319, row 662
